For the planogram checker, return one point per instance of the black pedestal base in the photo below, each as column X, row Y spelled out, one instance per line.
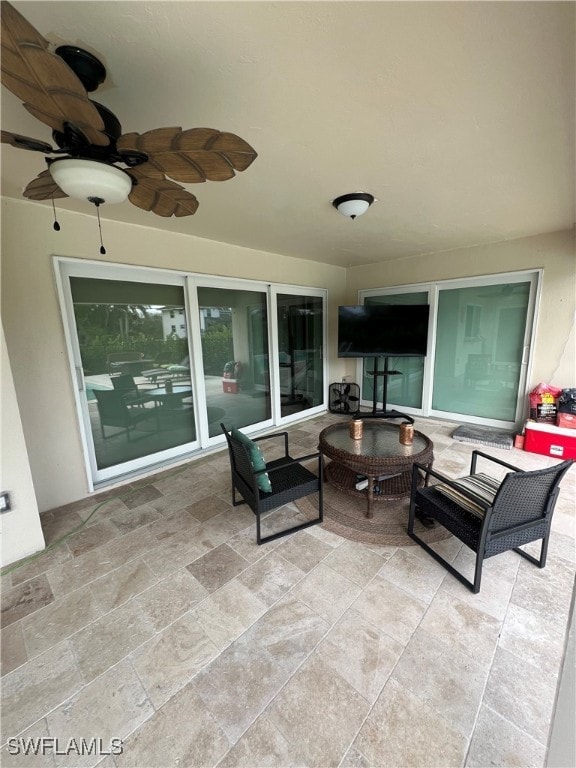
column 384, row 415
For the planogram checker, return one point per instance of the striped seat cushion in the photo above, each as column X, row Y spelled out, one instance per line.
column 474, row 493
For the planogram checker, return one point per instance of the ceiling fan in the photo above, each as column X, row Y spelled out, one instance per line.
column 93, row 159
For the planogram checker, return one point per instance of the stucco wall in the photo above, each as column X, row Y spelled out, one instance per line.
column 20, row 531
column 35, row 336
column 555, row 254
column 34, row 330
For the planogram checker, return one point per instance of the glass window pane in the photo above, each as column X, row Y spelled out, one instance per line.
column 404, row 389
column 234, row 331
column 480, row 336
column 136, row 368
column 300, row 340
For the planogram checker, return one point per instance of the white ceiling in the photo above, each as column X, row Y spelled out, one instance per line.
column 457, row 116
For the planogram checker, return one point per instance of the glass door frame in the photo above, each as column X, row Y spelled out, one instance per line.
column 295, row 290
column 64, row 269
column 532, row 276
column 194, row 282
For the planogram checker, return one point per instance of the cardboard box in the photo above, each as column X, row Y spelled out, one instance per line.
column 230, row 386
column 558, row 442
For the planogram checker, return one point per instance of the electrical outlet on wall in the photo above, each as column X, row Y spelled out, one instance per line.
column 5, row 505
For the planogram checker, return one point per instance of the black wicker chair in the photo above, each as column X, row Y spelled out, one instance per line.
column 289, row 481
column 520, row 512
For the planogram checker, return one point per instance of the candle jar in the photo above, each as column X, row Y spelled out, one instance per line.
column 406, row 433
column 356, row 428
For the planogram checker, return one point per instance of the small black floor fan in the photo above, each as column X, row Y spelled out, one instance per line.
column 344, row 397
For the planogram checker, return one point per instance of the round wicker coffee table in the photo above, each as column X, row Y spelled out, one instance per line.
column 378, row 456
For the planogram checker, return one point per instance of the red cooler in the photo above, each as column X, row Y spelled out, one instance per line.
column 558, row 442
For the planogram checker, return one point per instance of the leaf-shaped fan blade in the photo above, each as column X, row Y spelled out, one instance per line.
column 43, row 81
column 192, row 156
column 43, row 187
column 21, row 31
column 161, row 196
column 25, row 142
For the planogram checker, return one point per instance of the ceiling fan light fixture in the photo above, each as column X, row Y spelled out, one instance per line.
column 86, row 179
column 353, row 204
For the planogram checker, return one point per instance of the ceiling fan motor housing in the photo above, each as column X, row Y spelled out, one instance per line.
column 87, row 68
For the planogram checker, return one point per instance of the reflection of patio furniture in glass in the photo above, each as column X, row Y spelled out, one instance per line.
column 173, row 371
column 296, row 374
column 477, row 370
column 114, row 411
column 481, row 370
column 127, row 386
column 172, row 398
column 127, row 362
column 505, row 375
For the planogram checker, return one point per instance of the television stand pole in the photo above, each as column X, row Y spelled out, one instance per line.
column 384, row 413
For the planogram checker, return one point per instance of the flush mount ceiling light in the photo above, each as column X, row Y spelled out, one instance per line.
column 91, row 180
column 354, row 204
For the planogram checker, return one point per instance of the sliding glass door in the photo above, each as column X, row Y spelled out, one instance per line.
column 480, row 345
column 159, row 360
column 234, row 342
column 405, row 387
column 131, row 354
column 478, row 352
column 300, row 321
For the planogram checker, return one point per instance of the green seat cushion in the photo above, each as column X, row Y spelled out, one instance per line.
column 256, row 459
column 474, row 493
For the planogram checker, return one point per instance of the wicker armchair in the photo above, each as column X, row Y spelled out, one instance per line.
column 489, row 516
column 286, row 478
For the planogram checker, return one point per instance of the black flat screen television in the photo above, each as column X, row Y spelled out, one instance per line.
column 383, row 330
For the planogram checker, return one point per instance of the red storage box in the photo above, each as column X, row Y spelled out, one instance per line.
column 566, row 420
column 230, row 385
column 550, row 440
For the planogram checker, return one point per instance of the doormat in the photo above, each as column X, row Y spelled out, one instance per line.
column 346, row 516
column 496, row 438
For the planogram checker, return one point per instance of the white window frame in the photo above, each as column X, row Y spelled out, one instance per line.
column 66, row 267
column 533, row 276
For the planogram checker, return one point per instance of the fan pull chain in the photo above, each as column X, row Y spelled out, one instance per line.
column 97, row 201
column 55, row 225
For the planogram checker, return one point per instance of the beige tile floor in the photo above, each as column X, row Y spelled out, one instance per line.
column 161, row 623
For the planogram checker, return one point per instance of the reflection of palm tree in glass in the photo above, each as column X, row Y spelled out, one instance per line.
column 132, row 329
column 110, row 319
